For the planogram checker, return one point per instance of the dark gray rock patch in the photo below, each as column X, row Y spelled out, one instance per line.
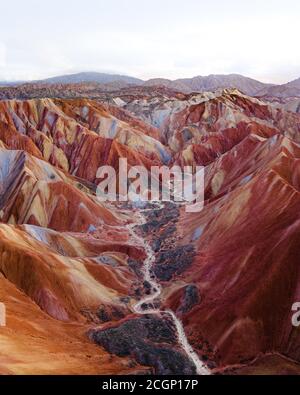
column 150, row 341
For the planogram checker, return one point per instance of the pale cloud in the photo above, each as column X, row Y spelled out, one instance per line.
column 2, row 55
column 170, row 39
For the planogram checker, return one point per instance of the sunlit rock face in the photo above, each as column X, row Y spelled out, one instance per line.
column 69, row 265
column 246, row 265
column 244, row 278
column 72, row 134
column 246, row 238
column 63, row 259
column 63, row 255
column 201, row 127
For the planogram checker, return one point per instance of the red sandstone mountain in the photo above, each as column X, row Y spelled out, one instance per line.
column 70, row 264
column 246, row 239
column 68, row 134
column 247, row 243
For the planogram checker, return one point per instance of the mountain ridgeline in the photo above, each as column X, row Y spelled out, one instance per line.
column 111, row 82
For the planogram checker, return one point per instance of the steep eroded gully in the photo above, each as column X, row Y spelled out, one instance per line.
column 159, row 327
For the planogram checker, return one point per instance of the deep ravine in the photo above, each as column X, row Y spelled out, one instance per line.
column 147, row 304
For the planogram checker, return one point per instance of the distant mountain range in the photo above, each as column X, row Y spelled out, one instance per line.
column 286, row 90
column 12, row 83
column 101, row 78
column 246, row 85
column 213, row 82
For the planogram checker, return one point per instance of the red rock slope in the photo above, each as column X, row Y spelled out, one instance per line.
column 235, row 297
column 64, row 257
column 68, row 263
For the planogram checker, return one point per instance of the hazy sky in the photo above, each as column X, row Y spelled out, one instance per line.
column 153, row 38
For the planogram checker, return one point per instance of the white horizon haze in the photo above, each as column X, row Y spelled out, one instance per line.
column 158, row 39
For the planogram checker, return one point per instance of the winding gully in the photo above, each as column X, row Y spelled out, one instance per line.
column 147, row 304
